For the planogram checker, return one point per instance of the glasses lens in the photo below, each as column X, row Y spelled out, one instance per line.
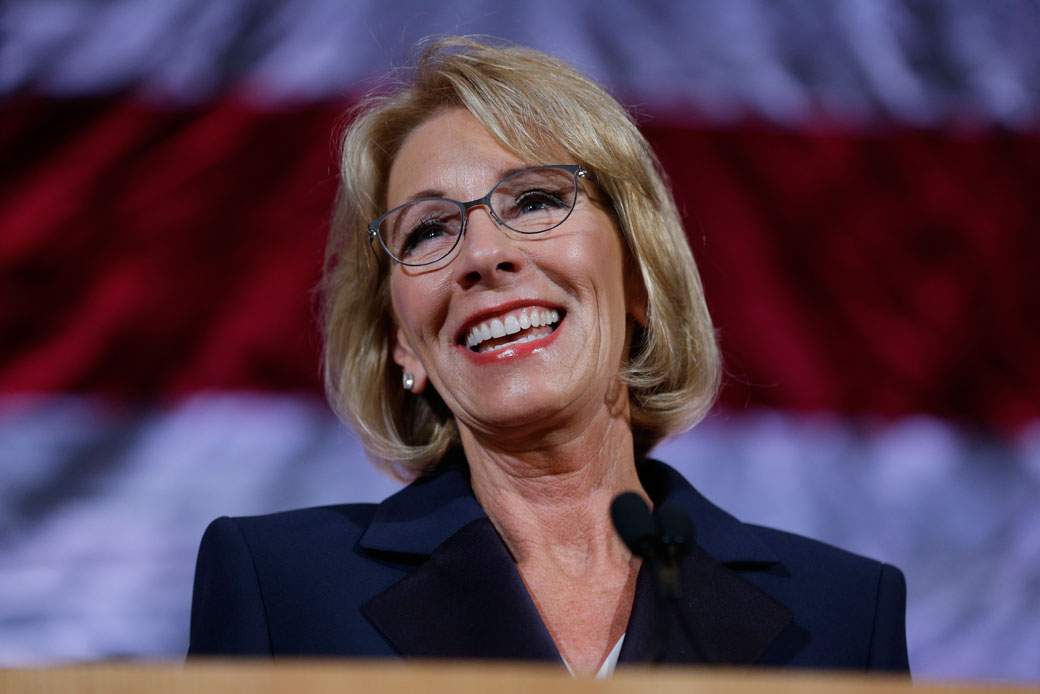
column 423, row 231
column 535, row 200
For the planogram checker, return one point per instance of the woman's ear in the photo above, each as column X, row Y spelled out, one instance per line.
column 636, row 300
column 405, row 357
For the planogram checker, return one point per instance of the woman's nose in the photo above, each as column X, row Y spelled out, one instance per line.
column 487, row 254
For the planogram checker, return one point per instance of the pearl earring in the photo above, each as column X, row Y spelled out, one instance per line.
column 407, row 380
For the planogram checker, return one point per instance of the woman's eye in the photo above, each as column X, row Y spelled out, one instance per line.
column 537, row 200
column 424, row 232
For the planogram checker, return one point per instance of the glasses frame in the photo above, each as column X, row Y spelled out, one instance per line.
column 576, row 170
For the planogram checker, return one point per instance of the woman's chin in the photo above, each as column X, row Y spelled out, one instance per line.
column 527, row 406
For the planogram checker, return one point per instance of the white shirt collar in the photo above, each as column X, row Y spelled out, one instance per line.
column 607, row 668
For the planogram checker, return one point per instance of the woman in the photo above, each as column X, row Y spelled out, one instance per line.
column 519, row 354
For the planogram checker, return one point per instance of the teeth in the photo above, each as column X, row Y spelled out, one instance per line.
column 519, row 340
column 511, row 324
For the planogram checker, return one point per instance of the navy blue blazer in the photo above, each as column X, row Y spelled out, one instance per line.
column 424, row 574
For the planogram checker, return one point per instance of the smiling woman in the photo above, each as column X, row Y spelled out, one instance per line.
column 537, row 111
column 519, row 354
column 508, row 394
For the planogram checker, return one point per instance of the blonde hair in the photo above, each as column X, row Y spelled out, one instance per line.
column 535, row 106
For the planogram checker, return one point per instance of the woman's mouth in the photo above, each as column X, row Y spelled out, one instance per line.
column 512, row 328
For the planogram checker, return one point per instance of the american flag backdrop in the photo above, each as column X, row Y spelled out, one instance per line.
column 860, row 184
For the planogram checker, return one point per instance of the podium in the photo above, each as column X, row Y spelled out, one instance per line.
column 406, row 677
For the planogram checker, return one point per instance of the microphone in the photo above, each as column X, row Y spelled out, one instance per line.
column 635, row 525
column 660, row 538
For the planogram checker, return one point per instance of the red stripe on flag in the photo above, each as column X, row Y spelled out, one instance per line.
column 890, row 274
column 148, row 253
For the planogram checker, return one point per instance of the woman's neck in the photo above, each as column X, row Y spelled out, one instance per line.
column 551, row 507
column 552, row 503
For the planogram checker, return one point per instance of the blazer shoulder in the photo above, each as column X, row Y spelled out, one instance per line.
column 263, row 584
column 300, row 539
column 854, row 604
column 794, row 548
column 825, row 570
column 314, row 524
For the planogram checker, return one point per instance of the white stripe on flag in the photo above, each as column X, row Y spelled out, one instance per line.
column 103, row 509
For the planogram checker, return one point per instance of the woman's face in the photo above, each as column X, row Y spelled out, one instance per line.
column 573, row 275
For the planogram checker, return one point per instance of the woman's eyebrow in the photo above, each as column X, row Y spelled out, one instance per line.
column 428, row 193
column 502, row 175
column 438, row 193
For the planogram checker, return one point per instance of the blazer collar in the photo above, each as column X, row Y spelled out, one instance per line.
column 468, row 599
column 722, row 536
column 420, row 517
column 417, row 519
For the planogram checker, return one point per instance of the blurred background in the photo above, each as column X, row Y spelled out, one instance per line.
column 859, row 180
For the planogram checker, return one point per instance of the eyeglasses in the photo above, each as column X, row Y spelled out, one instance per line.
column 530, row 201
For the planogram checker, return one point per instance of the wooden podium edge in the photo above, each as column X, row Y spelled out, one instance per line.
column 344, row 676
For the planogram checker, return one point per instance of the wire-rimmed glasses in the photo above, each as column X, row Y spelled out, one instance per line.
column 529, row 201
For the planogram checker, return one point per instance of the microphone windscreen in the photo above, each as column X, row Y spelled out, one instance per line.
column 634, row 523
column 675, row 527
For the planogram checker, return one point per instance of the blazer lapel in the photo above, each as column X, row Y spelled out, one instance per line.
column 464, row 598
column 467, row 601
column 733, row 618
column 417, row 519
